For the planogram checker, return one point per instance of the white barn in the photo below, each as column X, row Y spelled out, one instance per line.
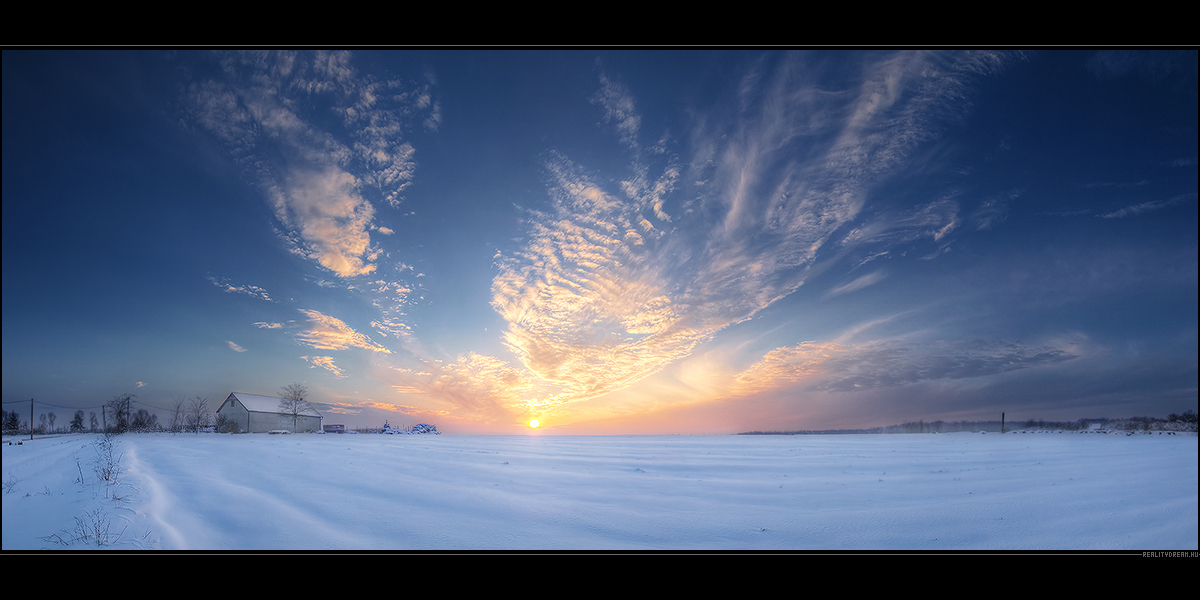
column 252, row 413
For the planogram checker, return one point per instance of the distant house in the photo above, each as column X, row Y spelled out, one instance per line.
column 337, row 428
column 259, row 414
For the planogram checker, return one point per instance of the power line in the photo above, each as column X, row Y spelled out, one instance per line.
column 40, row 403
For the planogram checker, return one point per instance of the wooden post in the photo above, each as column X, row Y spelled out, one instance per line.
column 1001, row 422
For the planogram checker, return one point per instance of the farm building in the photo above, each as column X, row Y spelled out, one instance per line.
column 258, row 414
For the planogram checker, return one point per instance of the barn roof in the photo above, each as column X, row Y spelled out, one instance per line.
column 269, row 404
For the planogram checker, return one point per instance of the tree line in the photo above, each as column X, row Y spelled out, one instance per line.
column 1174, row 422
column 117, row 416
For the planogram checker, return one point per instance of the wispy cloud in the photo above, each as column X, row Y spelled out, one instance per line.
column 857, row 284
column 482, row 387
column 261, row 108
column 1150, row 206
column 249, row 290
column 324, row 332
column 325, row 362
column 619, row 109
column 993, row 211
column 584, row 300
column 604, row 294
column 837, row 367
column 235, row 347
column 404, row 409
column 897, row 227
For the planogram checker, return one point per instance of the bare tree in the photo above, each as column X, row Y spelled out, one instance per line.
column 177, row 417
column 198, row 415
column 120, row 407
column 293, row 402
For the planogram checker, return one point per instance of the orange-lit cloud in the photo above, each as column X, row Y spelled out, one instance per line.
column 603, row 295
column 257, row 107
column 404, row 409
column 612, row 285
column 325, row 362
column 585, row 301
column 324, row 332
column 331, row 220
column 474, row 385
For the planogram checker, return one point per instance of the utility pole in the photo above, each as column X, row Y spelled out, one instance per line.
column 1001, row 422
column 31, row 419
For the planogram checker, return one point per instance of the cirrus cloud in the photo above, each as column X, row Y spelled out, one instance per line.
column 260, row 106
column 603, row 295
column 324, row 332
column 837, row 367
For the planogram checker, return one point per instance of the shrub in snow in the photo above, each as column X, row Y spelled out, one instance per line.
column 108, row 462
column 424, row 428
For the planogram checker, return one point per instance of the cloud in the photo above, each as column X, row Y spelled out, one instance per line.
column 325, row 362
column 619, row 108
column 266, row 325
column 596, row 300
column 404, row 409
column 141, row 384
column 897, row 227
column 249, row 290
column 1145, row 207
column 583, row 298
column 837, row 367
column 993, row 211
column 857, row 284
column 475, row 385
column 235, row 347
column 329, row 219
column 270, row 109
column 324, row 332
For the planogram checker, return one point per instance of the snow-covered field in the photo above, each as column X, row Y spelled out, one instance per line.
column 344, row 492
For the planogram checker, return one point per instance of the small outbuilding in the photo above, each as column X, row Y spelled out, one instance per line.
column 251, row 413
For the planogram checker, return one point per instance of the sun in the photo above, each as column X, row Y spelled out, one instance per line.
column 534, row 423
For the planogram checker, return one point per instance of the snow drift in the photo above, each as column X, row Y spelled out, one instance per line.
column 377, row 492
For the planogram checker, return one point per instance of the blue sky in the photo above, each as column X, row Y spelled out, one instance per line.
column 610, row 241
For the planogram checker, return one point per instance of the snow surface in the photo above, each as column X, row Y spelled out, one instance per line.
column 1060, row 491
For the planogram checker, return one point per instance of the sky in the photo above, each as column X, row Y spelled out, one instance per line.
column 610, row 241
